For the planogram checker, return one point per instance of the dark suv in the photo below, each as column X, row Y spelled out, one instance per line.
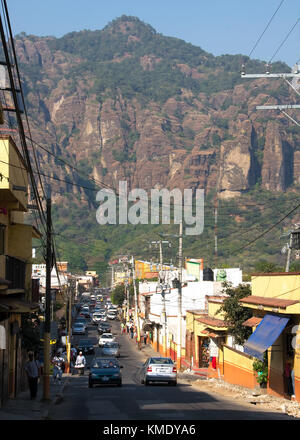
column 86, row 346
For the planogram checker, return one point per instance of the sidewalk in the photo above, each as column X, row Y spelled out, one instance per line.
column 22, row 408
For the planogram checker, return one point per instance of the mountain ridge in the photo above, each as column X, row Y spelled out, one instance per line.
column 157, row 112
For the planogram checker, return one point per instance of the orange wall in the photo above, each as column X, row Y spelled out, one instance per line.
column 238, row 368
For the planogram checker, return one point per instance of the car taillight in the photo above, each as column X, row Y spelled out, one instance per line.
column 149, row 369
column 174, row 370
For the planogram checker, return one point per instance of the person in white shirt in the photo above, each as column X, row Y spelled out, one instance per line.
column 57, row 362
column 80, row 363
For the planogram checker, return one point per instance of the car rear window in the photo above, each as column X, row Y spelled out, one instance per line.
column 105, row 364
column 111, row 345
column 160, row 361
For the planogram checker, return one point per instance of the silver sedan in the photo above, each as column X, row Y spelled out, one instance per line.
column 159, row 369
column 111, row 349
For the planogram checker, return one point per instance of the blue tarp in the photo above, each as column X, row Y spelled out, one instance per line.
column 265, row 335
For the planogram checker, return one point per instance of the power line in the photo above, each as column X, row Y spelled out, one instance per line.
column 267, row 26
column 280, row 46
column 268, row 230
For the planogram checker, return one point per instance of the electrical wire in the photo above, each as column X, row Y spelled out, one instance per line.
column 264, row 31
column 287, row 36
column 266, row 231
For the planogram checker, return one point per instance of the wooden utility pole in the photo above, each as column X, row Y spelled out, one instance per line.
column 47, row 328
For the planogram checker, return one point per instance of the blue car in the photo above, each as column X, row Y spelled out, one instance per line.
column 105, row 371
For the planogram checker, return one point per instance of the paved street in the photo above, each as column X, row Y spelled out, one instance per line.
column 134, row 401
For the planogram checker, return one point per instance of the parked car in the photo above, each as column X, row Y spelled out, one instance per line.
column 106, row 337
column 86, row 346
column 159, row 369
column 78, row 329
column 111, row 349
column 105, row 371
column 104, row 327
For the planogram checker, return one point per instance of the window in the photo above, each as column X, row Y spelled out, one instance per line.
column 2, row 239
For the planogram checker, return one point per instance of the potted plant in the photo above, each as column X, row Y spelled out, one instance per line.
column 261, row 370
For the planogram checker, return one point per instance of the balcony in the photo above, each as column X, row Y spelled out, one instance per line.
column 13, row 176
column 15, row 273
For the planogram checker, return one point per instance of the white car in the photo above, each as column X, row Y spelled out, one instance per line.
column 106, row 337
column 96, row 318
column 112, row 314
column 103, row 317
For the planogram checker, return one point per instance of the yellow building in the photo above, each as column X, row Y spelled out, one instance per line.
column 148, row 270
column 205, row 335
column 15, row 264
column 275, row 302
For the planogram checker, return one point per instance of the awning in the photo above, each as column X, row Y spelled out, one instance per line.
column 252, row 322
column 209, row 333
column 148, row 325
column 265, row 335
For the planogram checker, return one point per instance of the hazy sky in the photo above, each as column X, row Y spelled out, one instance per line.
column 217, row 26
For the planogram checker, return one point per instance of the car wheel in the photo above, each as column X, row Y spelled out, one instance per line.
column 120, row 384
column 173, row 383
column 146, row 382
column 142, row 381
column 90, row 384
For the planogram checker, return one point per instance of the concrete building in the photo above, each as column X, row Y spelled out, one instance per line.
column 16, row 295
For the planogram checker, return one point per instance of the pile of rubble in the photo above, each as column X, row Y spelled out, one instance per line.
column 254, row 397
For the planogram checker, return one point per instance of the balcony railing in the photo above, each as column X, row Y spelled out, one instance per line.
column 15, row 272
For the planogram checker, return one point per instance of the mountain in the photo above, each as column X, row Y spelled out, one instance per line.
column 127, row 103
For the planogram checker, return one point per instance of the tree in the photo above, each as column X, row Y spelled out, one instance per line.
column 234, row 313
column 118, row 294
column 267, row 267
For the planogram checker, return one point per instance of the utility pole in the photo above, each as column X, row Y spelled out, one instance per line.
column 163, row 287
column 137, row 318
column 47, row 328
column 179, row 300
column 216, row 227
column 69, row 328
column 164, row 300
column 295, row 75
column 289, row 252
column 294, row 243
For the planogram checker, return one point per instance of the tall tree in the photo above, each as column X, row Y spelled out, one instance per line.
column 234, row 313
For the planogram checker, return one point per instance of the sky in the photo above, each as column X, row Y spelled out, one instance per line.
column 217, row 26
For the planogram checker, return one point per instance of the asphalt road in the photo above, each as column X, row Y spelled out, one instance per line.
column 134, row 401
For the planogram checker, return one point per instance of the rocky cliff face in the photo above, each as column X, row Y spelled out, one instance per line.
column 194, row 139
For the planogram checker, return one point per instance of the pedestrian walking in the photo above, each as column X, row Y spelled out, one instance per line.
column 57, row 362
column 33, row 372
column 80, row 363
column 122, row 327
column 145, row 338
column 131, row 331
